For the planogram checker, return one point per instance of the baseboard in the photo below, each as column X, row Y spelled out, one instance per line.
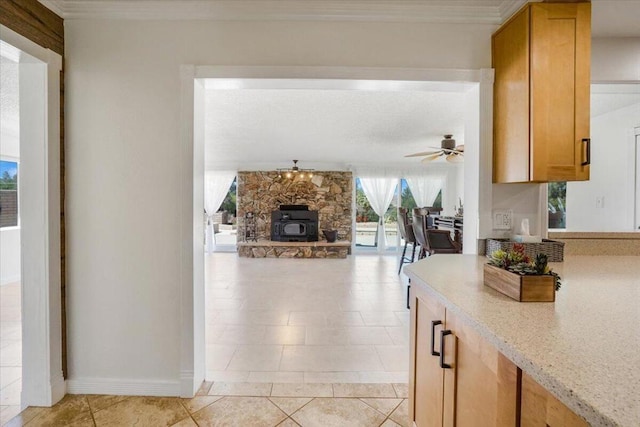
column 188, row 385
column 123, row 387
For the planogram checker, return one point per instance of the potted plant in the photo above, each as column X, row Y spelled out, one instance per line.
column 514, row 274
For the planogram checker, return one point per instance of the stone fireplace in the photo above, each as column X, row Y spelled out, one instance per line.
column 328, row 192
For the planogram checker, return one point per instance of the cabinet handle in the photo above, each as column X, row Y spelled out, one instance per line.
column 442, row 335
column 433, row 333
column 588, row 142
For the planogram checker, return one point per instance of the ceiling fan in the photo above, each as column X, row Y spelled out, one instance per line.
column 448, row 148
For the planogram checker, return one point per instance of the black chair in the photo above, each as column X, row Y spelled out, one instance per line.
column 440, row 242
column 406, row 231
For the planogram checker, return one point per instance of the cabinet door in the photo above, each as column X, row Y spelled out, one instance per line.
column 560, row 90
column 481, row 386
column 510, row 57
column 541, row 409
column 426, row 377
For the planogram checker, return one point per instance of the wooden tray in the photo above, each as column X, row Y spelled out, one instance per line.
column 521, row 288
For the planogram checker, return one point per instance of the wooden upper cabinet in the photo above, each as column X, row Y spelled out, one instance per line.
column 542, row 59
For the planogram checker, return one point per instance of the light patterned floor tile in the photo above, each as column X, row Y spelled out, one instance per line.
column 198, row 402
column 147, row 411
column 363, row 390
column 363, row 294
column 9, row 375
column 284, row 335
column 257, row 358
column 302, row 390
column 187, row 422
column 227, row 376
column 276, row 377
column 330, row 358
column 402, row 390
column 240, row 389
column 383, row 377
column 307, row 318
column 394, row 357
column 289, row 405
column 204, row 388
column 401, row 414
column 71, row 410
column 323, row 412
column 386, row 406
column 331, row 377
column 7, row 413
column 100, row 401
column 23, row 417
column 219, row 356
column 390, row 423
column 288, row 423
column 240, row 411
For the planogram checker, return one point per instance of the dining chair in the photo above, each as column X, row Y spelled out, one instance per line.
column 440, row 242
column 406, row 232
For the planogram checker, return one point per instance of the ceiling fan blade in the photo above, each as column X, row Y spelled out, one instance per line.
column 460, row 148
column 455, row 158
column 424, row 153
column 431, row 157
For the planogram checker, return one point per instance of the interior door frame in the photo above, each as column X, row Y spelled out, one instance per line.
column 43, row 383
column 192, row 341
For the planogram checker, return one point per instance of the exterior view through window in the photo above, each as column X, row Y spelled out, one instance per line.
column 8, row 194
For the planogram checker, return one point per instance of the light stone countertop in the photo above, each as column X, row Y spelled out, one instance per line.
column 584, row 348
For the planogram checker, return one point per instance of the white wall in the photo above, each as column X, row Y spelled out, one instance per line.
column 123, row 127
column 612, row 175
column 122, row 155
column 615, row 59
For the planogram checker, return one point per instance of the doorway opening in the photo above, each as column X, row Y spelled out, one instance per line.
column 194, row 363
column 31, row 267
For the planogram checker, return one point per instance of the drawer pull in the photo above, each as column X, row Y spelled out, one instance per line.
column 434, row 323
column 442, row 335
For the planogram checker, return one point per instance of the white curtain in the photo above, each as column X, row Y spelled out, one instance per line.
column 425, row 188
column 379, row 192
column 216, row 187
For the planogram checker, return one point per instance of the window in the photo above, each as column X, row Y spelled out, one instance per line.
column 557, row 202
column 8, row 194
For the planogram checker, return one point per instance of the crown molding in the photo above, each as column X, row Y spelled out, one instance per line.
column 492, row 12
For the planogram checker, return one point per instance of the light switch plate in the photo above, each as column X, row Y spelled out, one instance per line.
column 503, row 219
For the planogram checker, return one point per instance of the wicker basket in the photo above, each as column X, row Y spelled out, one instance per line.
column 551, row 248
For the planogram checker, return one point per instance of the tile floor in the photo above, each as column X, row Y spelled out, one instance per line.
column 289, row 342
column 235, row 404
column 306, row 320
column 10, row 351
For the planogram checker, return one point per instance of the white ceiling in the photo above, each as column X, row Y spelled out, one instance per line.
column 328, row 128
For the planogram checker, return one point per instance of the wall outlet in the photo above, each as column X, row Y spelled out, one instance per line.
column 503, row 220
column 599, row 202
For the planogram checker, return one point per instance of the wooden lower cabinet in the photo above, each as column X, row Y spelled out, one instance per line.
column 477, row 386
column 540, row 408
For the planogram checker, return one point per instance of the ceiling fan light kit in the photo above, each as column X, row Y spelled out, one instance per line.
column 448, row 148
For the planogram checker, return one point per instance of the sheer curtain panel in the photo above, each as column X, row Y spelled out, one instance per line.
column 425, row 188
column 379, row 192
column 216, row 187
